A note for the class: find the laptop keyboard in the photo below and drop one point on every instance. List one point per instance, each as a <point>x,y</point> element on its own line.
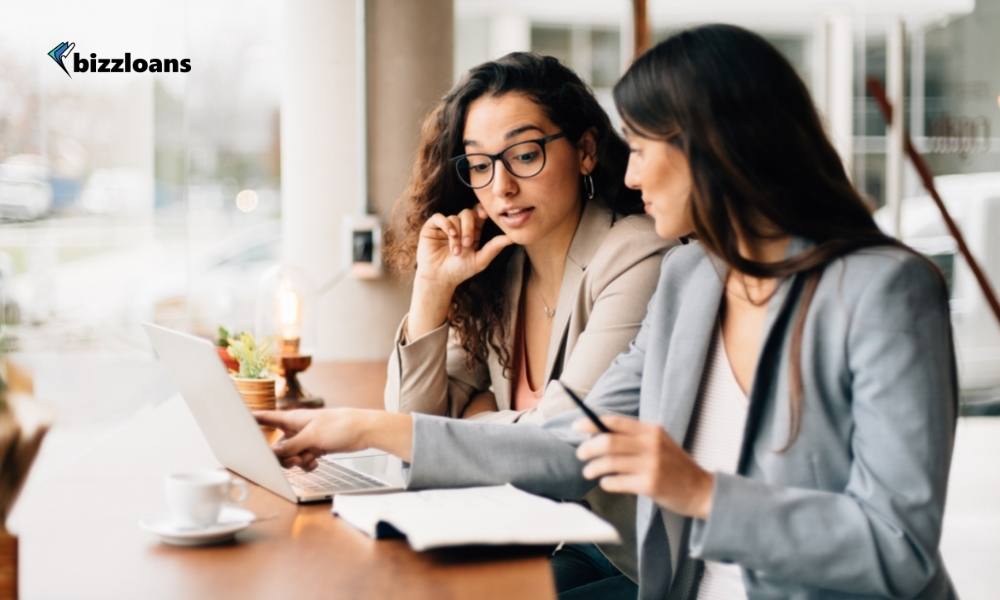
<point>330,477</point>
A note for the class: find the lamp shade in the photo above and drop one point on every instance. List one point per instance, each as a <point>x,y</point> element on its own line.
<point>286,310</point>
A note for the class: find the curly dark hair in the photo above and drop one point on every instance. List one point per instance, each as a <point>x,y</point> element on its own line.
<point>478,312</point>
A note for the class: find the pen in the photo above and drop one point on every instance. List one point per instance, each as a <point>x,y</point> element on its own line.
<point>590,414</point>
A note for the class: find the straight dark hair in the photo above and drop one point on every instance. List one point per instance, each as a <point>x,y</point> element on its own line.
<point>761,163</point>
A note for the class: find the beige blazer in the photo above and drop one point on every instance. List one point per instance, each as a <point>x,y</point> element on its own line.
<point>610,274</point>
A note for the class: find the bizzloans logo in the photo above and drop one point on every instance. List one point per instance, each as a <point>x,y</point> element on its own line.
<point>127,64</point>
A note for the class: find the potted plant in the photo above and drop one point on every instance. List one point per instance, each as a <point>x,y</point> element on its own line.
<point>23,424</point>
<point>222,347</point>
<point>255,384</point>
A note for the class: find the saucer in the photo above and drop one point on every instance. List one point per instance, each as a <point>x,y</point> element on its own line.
<point>231,520</point>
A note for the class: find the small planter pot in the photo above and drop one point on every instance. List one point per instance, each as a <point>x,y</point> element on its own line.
<point>257,394</point>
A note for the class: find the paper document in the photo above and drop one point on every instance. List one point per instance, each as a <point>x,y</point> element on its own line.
<point>494,515</point>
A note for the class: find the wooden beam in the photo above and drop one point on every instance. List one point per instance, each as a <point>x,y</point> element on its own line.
<point>8,564</point>
<point>927,178</point>
<point>640,27</point>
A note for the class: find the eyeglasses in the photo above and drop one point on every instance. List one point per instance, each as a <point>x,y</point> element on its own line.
<point>523,159</point>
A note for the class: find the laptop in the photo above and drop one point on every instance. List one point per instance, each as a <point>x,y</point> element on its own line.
<point>236,439</point>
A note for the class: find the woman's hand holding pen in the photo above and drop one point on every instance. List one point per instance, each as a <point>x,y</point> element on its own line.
<point>640,458</point>
<point>447,255</point>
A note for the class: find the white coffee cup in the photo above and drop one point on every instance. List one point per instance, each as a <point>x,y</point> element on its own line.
<point>195,498</point>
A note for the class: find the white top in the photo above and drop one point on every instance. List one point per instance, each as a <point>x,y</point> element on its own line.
<point>717,424</point>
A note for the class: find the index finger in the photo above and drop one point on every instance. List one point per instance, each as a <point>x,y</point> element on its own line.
<point>470,227</point>
<point>274,418</point>
<point>439,222</point>
<point>607,444</point>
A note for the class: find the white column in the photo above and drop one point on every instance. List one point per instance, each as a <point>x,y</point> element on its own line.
<point>895,38</point>
<point>509,33</point>
<point>626,35</point>
<point>318,138</point>
<point>834,83</point>
<point>320,175</point>
<point>580,51</point>
<point>911,183</point>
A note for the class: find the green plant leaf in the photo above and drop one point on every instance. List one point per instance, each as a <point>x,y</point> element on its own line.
<point>252,356</point>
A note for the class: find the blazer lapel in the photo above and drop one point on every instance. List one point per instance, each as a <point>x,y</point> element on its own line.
<point>690,341</point>
<point>687,352</point>
<point>780,311</point>
<point>595,222</point>
<point>693,334</point>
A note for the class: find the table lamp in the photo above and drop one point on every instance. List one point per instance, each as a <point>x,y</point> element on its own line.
<point>286,309</point>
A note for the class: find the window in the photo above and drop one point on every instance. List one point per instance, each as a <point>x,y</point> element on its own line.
<point>118,189</point>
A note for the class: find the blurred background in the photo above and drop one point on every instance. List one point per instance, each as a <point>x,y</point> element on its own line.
<point>167,197</point>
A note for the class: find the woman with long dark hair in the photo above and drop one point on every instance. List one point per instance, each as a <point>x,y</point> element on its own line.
<point>786,413</point>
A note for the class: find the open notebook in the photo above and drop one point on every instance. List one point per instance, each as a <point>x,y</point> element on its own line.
<point>495,515</point>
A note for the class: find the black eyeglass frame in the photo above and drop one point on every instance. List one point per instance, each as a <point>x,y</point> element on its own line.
<point>542,142</point>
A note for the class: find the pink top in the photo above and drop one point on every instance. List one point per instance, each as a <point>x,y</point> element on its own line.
<point>524,396</point>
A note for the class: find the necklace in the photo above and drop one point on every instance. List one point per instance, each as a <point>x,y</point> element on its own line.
<point>549,312</point>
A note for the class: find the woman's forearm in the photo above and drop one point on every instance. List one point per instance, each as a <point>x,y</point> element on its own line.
<point>428,308</point>
<point>389,432</point>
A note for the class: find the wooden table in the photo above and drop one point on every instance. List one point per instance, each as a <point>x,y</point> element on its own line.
<point>80,539</point>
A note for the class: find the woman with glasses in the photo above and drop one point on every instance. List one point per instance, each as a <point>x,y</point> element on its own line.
<point>786,414</point>
<point>533,261</point>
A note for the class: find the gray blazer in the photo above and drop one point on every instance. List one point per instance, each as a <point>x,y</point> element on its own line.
<point>852,510</point>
